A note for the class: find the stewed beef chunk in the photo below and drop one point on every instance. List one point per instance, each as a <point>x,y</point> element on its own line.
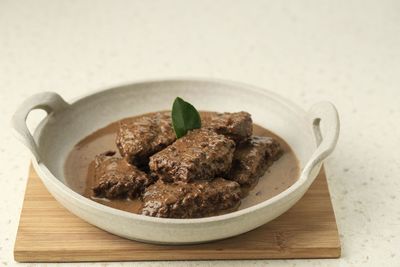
<point>200,154</point>
<point>116,178</point>
<point>238,126</point>
<point>139,138</point>
<point>252,158</point>
<point>190,200</point>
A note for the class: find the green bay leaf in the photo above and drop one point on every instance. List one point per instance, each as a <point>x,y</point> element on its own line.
<point>185,117</point>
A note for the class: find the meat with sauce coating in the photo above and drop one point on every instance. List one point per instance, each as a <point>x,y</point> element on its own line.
<point>142,137</point>
<point>201,154</point>
<point>237,125</point>
<point>252,158</point>
<point>116,178</point>
<point>190,200</point>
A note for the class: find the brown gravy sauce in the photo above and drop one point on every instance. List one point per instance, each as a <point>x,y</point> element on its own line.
<point>79,169</point>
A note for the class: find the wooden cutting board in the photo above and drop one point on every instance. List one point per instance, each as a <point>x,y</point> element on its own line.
<point>49,233</point>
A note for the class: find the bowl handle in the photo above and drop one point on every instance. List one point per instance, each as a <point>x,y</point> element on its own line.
<point>49,102</point>
<point>325,113</point>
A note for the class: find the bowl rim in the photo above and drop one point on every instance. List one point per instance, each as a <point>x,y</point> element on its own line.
<point>46,174</point>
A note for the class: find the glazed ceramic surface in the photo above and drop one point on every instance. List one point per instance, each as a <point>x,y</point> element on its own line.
<point>67,123</point>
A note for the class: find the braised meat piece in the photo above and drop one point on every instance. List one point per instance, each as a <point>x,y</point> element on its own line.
<point>238,126</point>
<point>200,154</point>
<point>190,200</point>
<point>252,158</point>
<point>116,178</point>
<point>141,137</point>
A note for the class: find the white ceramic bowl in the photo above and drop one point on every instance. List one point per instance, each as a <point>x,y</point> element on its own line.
<point>68,123</point>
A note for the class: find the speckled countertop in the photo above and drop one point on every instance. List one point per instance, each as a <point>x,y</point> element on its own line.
<point>343,51</point>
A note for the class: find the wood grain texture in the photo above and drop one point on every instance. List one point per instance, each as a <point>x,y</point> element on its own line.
<point>49,233</point>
